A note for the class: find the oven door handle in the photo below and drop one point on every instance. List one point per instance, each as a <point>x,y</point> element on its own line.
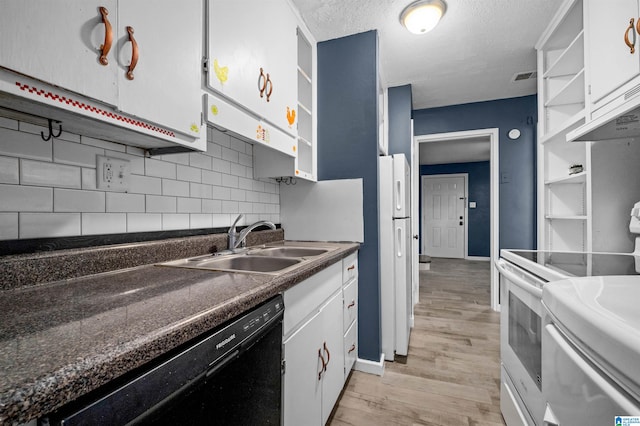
<point>530,288</point>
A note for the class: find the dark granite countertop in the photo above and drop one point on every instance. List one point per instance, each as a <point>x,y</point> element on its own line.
<point>60,340</point>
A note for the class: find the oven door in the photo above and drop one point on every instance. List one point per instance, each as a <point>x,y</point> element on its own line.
<point>521,336</point>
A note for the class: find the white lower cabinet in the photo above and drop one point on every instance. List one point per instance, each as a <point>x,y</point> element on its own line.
<point>318,352</point>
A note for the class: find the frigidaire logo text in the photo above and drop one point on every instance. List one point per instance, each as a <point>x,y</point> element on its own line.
<point>225,341</point>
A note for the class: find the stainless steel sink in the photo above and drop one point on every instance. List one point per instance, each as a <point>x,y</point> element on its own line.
<point>289,252</point>
<point>237,263</point>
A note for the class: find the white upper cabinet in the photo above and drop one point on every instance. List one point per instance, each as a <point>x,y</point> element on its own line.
<point>612,62</point>
<point>252,49</point>
<point>63,51</point>
<point>125,65</point>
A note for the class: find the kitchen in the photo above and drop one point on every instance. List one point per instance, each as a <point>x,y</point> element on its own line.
<point>50,187</point>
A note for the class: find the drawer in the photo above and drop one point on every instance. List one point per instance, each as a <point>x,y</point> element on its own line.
<point>350,267</point>
<point>350,348</point>
<point>350,294</point>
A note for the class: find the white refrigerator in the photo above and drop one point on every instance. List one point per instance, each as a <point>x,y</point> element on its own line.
<point>395,254</point>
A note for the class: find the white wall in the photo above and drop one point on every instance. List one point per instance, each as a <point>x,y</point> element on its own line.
<point>48,189</point>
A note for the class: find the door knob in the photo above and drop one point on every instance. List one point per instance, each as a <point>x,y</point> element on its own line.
<point>460,223</point>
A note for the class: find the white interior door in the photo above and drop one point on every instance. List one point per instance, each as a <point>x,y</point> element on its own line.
<point>444,216</point>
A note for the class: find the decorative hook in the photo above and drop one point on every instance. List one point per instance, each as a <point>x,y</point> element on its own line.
<point>51,134</point>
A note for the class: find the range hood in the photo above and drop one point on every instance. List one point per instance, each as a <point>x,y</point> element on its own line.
<point>622,122</point>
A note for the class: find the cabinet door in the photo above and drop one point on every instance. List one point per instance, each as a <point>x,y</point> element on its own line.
<point>333,347</point>
<point>610,62</point>
<point>59,42</point>
<point>166,85</point>
<point>303,375</point>
<point>247,41</point>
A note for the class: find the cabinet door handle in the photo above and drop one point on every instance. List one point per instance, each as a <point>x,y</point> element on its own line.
<point>324,364</point>
<point>631,45</point>
<point>262,83</point>
<point>108,36</point>
<point>270,84</point>
<point>352,304</point>
<point>324,345</point>
<point>351,268</point>
<point>352,348</point>
<point>134,53</point>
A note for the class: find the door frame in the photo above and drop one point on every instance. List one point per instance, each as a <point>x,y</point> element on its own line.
<point>493,135</point>
<point>423,218</point>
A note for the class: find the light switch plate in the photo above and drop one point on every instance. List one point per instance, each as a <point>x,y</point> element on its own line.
<point>112,174</point>
<point>472,204</point>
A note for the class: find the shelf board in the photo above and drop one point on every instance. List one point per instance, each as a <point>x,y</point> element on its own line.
<point>565,217</point>
<point>304,107</point>
<point>559,133</point>
<point>304,141</point>
<point>576,178</point>
<point>571,93</point>
<point>304,74</point>
<point>565,64</point>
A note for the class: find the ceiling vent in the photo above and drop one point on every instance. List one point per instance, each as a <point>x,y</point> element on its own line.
<point>522,76</point>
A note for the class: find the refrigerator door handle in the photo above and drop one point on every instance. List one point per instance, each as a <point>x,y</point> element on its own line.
<point>399,242</point>
<point>399,198</point>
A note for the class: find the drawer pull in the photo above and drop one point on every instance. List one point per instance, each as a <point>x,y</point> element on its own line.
<point>268,90</point>
<point>108,36</point>
<point>351,268</point>
<point>351,305</point>
<point>262,83</point>
<point>324,365</point>
<point>352,348</point>
<point>134,54</point>
<point>630,44</point>
<point>328,355</point>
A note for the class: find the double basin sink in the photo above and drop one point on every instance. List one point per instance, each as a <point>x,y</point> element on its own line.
<point>264,260</point>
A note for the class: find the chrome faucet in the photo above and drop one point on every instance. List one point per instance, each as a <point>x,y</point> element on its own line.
<point>243,234</point>
<point>231,233</point>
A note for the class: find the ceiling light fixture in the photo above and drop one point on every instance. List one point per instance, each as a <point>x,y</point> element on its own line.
<point>423,15</point>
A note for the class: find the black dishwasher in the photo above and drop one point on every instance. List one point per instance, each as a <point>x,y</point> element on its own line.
<point>232,376</point>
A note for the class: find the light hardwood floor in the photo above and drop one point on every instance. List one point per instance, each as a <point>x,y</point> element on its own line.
<point>452,374</point>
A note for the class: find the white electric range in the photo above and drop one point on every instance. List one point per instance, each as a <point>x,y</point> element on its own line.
<point>523,275</point>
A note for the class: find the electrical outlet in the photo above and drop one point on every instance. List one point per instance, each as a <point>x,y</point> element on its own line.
<point>112,174</point>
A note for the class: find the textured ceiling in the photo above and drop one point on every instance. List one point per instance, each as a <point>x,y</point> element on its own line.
<point>472,55</point>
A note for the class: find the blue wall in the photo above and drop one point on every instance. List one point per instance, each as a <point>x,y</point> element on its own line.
<point>479,219</point>
<point>399,105</point>
<point>517,157</point>
<point>348,148</point>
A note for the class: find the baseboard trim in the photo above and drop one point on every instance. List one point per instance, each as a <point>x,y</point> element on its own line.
<point>371,367</point>
<point>482,258</point>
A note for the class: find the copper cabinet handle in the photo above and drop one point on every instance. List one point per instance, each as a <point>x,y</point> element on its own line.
<point>352,304</point>
<point>324,365</point>
<point>134,53</point>
<point>270,89</point>
<point>351,268</point>
<point>262,83</point>
<point>632,46</point>
<point>324,345</point>
<point>352,348</point>
<point>108,36</point>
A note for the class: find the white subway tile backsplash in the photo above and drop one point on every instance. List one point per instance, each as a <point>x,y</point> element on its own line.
<point>65,152</point>
<point>103,223</point>
<point>171,221</point>
<point>144,185</point>
<point>16,198</point>
<point>161,204</point>
<point>57,196</point>
<point>221,166</point>
<point>175,187</point>
<point>200,221</point>
<point>71,200</point>
<point>188,173</point>
<point>24,145</point>
<point>144,222</point>
<point>119,202</point>
<point>159,168</point>
<point>212,206</point>
<point>9,170</point>
<point>49,174</point>
<point>199,160</point>
<point>99,143</point>
<point>8,225</point>
<point>89,179</point>
<point>43,225</point>
<point>211,178</point>
<point>189,205</point>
